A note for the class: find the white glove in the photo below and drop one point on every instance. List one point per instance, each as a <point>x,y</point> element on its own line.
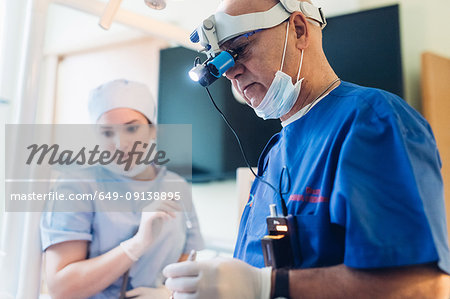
<point>149,293</point>
<point>220,278</point>
<point>152,218</point>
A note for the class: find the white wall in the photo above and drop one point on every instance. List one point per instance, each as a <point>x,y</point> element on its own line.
<point>12,14</point>
<point>424,26</point>
<point>79,73</point>
<point>69,31</point>
<point>218,213</point>
<point>4,110</point>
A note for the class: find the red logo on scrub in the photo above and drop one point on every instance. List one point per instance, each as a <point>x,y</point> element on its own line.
<point>311,195</point>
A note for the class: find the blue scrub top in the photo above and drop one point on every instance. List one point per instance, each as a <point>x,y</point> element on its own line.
<point>362,180</point>
<point>105,230</point>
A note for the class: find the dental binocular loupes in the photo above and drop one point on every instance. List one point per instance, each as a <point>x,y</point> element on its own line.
<point>213,68</point>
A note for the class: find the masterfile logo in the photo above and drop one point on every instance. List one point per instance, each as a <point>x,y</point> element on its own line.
<point>70,168</point>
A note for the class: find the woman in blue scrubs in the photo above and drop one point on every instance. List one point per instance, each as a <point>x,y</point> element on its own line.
<point>87,252</point>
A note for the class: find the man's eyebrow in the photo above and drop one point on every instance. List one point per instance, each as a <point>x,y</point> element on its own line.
<point>234,43</point>
<point>226,45</point>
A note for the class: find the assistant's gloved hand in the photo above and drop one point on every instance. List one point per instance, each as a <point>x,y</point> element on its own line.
<point>220,278</point>
<point>149,293</point>
<point>152,219</point>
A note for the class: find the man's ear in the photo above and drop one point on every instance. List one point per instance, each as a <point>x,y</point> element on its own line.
<point>299,22</point>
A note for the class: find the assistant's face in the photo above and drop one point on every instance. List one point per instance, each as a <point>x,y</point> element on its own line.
<point>120,128</point>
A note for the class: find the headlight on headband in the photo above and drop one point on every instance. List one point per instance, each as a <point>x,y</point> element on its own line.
<point>209,71</point>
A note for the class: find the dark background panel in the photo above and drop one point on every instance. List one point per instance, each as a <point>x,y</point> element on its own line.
<point>364,48</point>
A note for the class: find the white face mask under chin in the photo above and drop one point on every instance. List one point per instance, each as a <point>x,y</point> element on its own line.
<point>282,94</point>
<point>137,168</point>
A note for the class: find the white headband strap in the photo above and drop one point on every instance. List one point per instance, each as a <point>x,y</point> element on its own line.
<point>228,27</point>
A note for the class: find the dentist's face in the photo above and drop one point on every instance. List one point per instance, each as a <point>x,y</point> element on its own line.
<point>261,53</point>
<point>259,58</point>
<point>120,128</point>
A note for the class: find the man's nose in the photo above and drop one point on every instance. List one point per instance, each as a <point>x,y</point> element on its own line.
<point>235,71</point>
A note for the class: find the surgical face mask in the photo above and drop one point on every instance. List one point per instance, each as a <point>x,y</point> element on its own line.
<point>137,168</point>
<point>282,94</point>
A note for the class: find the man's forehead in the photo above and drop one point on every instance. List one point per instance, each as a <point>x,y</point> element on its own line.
<point>240,7</point>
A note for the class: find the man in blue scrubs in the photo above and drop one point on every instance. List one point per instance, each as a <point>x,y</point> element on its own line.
<point>358,168</point>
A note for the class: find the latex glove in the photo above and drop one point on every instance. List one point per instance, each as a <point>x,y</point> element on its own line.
<point>148,293</point>
<point>152,219</point>
<point>218,278</point>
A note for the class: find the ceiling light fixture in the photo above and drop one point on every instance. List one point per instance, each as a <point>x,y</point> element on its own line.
<point>156,4</point>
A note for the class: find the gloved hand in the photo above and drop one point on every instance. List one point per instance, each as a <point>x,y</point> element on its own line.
<point>220,278</point>
<point>148,293</point>
<point>152,219</point>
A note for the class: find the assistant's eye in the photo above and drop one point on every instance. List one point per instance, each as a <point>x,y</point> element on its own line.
<point>107,133</point>
<point>132,129</point>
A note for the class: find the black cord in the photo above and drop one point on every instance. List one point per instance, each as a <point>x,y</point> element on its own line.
<point>283,171</point>
<point>279,192</point>
<point>283,203</point>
